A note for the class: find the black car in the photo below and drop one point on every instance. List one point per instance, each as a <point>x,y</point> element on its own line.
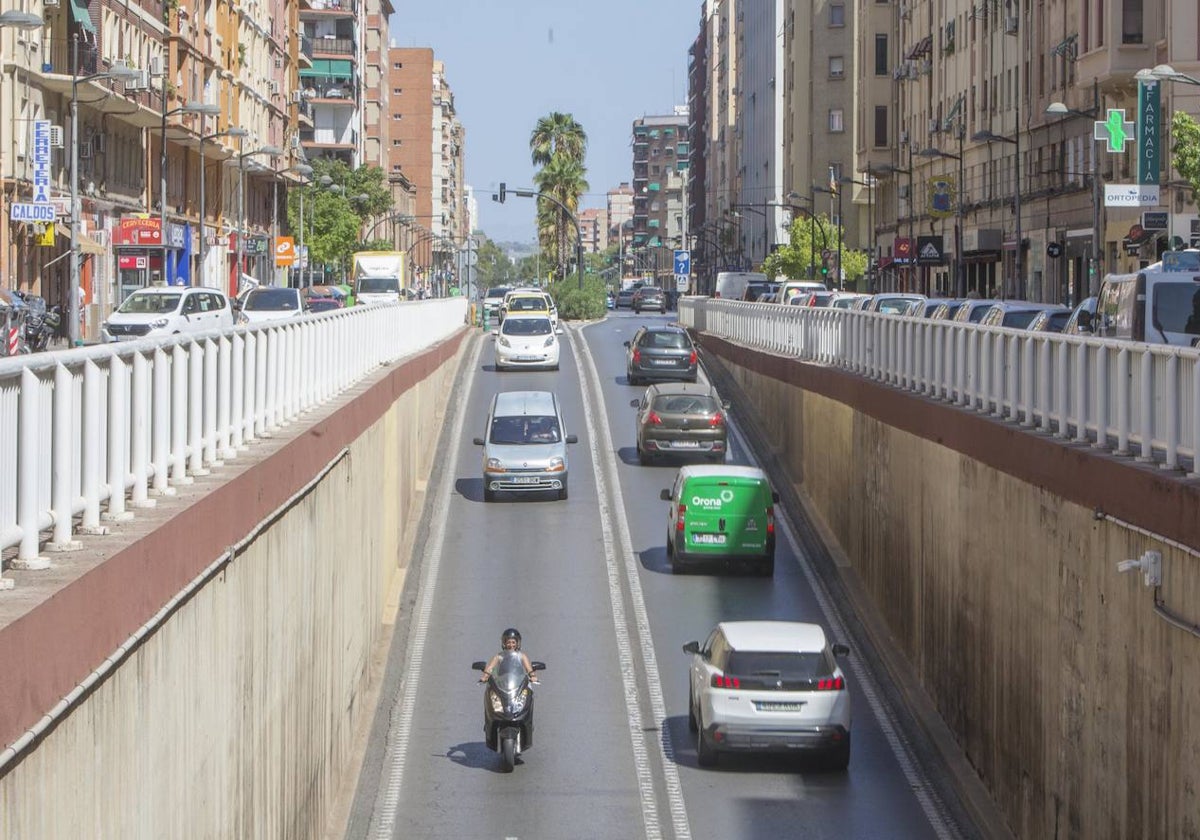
<point>649,297</point>
<point>660,352</point>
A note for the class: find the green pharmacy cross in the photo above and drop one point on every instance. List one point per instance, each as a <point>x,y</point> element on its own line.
<point>1116,130</point>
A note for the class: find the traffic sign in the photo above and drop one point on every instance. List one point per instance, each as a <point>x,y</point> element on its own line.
<point>681,282</point>
<point>36,212</point>
<point>683,262</point>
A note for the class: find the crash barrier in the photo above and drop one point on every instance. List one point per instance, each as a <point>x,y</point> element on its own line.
<point>93,432</point>
<point>1124,397</point>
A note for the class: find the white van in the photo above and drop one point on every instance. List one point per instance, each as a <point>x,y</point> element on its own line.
<point>1159,304</point>
<point>731,285</point>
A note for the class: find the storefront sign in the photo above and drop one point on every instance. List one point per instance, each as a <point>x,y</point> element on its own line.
<point>138,230</point>
<point>285,251</point>
<point>931,250</point>
<point>131,263</point>
<point>902,247</point>
<point>1149,141</point>
<point>1130,195</point>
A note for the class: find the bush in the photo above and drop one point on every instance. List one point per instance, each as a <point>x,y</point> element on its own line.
<point>575,304</point>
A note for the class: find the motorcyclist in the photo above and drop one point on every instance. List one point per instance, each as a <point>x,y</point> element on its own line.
<point>510,641</point>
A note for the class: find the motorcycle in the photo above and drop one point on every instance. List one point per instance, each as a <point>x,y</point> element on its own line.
<point>508,707</point>
<point>41,327</point>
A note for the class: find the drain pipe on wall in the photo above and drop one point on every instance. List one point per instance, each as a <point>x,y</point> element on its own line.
<point>68,703</point>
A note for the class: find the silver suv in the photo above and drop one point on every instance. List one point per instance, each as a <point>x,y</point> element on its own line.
<point>525,449</point>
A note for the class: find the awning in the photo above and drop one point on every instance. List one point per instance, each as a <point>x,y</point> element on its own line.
<point>79,13</point>
<point>86,244</point>
<point>326,67</point>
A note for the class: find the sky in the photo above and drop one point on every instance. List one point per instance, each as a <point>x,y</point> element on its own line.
<point>607,62</point>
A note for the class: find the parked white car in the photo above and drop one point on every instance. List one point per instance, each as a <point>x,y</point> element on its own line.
<point>526,340</point>
<point>168,310</point>
<point>270,303</point>
<point>768,686</point>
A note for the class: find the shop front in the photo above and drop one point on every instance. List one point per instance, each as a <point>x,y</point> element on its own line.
<point>981,260</point>
<point>138,243</point>
<point>255,255</point>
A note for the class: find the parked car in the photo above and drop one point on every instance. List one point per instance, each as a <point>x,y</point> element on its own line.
<point>789,289</point>
<point>755,289</point>
<point>768,687</point>
<point>1082,318</point>
<point>897,304</point>
<point>524,448</point>
<point>1050,320</point>
<point>493,299</point>
<point>323,298</point>
<point>660,352</point>
<point>847,300</point>
<point>610,300</point>
<point>723,514</point>
<point>526,339</point>
<point>932,305</point>
<point>649,297</point>
<point>680,418</point>
<point>270,303</point>
<point>945,310</point>
<point>818,300</point>
<point>1018,314</point>
<point>731,285</point>
<point>973,310</point>
<point>168,310</point>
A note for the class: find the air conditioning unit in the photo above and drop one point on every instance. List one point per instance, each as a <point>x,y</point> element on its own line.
<point>273,86</point>
<point>156,66</point>
<point>278,62</point>
<point>297,96</point>
<point>1010,25</point>
<point>49,3</point>
<point>56,137</point>
<point>85,150</point>
<point>903,137</point>
<point>98,143</point>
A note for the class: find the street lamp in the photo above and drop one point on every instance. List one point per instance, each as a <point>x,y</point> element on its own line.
<point>1059,109</point>
<point>1166,73</point>
<point>21,20</point>
<point>1018,261</point>
<point>304,171</point>
<point>272,151</point>
<point>201,108</point>
<point>960,281</point>
<point>117,72</point>
<point>229,132</point>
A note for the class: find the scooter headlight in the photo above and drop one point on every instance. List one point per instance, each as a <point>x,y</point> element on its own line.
<point>519,700</point>
<point>496,700</point>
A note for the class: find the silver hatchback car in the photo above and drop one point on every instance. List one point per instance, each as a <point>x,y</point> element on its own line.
<point>525,450</point>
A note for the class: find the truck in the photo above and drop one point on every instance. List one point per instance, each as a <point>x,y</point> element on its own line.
<point>379,276</point>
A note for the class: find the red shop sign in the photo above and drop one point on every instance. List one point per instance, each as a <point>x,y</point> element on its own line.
<point>131,263</point>
<point>136,230</point>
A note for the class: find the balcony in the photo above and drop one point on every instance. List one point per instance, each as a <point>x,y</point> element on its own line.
<point>326,46</point>
<point>318,9</point>
<point>329,138</point>
<point>329,82</point>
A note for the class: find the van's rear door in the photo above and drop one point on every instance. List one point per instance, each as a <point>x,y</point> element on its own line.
<point>725,515</point>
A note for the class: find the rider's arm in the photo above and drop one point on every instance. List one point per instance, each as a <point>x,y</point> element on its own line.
<point>528,667</point>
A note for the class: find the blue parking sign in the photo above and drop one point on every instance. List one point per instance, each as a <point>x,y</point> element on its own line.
<point>683,262</point>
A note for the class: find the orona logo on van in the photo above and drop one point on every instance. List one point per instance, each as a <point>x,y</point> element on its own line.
<point>725,496</point>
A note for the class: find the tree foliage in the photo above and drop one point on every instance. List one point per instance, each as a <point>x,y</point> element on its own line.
<point>494,267</point>
<point>557,135</point>
<point>802,257</point>
<point>575,303</point>
<point>558,144</point>
<point>1185,148</point>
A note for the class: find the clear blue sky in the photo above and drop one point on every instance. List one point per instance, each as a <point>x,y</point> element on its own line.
<point>607,62</point>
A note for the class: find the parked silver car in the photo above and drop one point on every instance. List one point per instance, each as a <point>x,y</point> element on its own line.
<point>525,450</point>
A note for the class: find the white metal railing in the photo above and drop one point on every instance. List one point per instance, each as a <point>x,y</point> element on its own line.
<point>86,434</point>
<point>1125,397</point>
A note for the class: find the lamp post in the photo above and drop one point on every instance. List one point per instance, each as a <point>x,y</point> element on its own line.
<point>200,108</point>
<point>1058,109</point>
<point>272,151</point>
<point>1018,262</point>
<point>304,171</point>
<point>959,276</point>
<point>114,73</point>
<point>229,132</point>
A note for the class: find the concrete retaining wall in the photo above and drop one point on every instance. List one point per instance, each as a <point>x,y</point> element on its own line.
<point>235,718</point>
<point>991,554</point>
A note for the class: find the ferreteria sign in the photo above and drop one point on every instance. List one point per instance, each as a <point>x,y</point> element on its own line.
<point>1149,140</point>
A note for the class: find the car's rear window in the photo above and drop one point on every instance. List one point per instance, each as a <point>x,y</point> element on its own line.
<point>780,664</point>
<point>1019,319</point>
<point>528,304</point>
<point>271,299</point>
<point>685,404</point>
<point>525,429</point>
<point>668,340</point>
<point>526,326</point>
<point>497,291</point>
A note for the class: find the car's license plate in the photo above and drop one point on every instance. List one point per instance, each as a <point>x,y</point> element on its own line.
<point>524,479</point>
<point>670,362</point>
<point>686,444</point>
<point>528,358</point>
<point>708,539</point>
<point>777,706</point>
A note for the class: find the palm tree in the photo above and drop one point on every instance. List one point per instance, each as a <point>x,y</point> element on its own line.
<point>564,180</point>
<point>557,135</point>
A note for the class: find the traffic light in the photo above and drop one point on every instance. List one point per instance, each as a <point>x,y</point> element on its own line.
<point>503,190</point>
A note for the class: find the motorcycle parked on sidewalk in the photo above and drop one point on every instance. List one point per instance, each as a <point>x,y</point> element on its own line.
<point>508,707</point>
<point>41,327</point>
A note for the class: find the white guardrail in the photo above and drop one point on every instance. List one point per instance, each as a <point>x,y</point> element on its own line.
<point>1120,396</point>
<point>111,425</point>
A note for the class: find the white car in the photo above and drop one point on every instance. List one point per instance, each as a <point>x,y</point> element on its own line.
<point>768,686</point>
<point>526,341</point>
<point>168,310</point>
<point>270,303</point>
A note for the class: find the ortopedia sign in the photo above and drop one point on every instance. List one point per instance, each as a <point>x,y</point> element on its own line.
<point>1131,195</point>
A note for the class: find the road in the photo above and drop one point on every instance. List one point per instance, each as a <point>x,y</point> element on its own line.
<point>586,582</point>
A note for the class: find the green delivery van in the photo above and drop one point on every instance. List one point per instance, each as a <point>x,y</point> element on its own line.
<point>721,514</point>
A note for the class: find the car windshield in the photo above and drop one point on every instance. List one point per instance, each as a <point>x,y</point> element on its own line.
<point>788,665</point>
<point>667,340</point>
<point>525,429</point>
<point>378,284</point>
<point>685,404</point>
<point>273,300</point>
<point>526,326</point>
<point>497,292</point>
<point>149,304</point>
<point>527,304</point>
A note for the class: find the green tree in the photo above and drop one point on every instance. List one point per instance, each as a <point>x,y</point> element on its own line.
<point>557,135</point>
<point>494,267</point>
<point>1185,148</point>
<point>808,238</point>
<point>562,179</point>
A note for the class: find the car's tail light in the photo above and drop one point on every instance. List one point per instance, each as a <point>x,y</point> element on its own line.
<point>653,419</point>
<point>831,684</point>
<point>717,421</point>
<point>679,520</point>
<point>722,681</point>
<point>770,519</point>
<point>637,356</point>
<point>692,358</point>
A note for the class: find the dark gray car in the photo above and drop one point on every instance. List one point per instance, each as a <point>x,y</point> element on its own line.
<point>681,418</point>
<point>662,353</point>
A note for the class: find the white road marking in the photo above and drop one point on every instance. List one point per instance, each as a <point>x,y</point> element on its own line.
<point>931,804</point>
<point>401,718</point>
<point>598,433</point>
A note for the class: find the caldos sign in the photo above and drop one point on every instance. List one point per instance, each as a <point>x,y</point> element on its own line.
<point>725,497</point>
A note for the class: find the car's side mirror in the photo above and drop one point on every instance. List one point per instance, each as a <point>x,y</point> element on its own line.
<point>478,441</point>
<point>691,647</point>
<point>538,666</point>
<point>665,495</point>
<point>634,403</point>
<point>495,332</point>
<point>572,438</point>
<point>626,343</point>
<point>841,650</point>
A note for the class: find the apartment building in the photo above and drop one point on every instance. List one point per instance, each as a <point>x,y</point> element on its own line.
<point>593,226</point>
<point>660,168</point>
<point>620,218</point>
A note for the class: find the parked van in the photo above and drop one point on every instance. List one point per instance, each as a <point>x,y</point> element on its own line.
<point>721,513</point>
<point>731,285</point>
<point>1159,304</point>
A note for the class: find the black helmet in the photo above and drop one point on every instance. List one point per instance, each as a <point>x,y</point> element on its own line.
<point>511,633</point>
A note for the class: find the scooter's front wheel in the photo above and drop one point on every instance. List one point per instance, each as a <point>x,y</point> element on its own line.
<point>508,753</point>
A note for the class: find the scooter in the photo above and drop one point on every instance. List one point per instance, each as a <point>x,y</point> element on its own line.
<point>508,707</point>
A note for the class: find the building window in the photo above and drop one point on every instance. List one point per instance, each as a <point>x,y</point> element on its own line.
<point>881,55</point>
<point>837,14</point>
<point>881,126</point>
<point>397,142</point>
<point>836,123</point>
<point>1131,22</point>
<point>397,91</point>
<point>397,65</point>
<point>397,116</point>
<point>837,67</point>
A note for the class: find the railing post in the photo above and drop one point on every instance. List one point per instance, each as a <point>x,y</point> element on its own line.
<point>29,457</point>
<point>225,398</point>
<point>179,415</point>
<point>982,401</point>
<point>251,424</point>
<point>195,399</point>
<point>1124,395</point>
<point>210,358</point>
<point>237,394</point>
<point>1028,380</point>
<point>139,434</point>
<point>118,440</point>
<point>1195,473</point>
<point>1171,414</point>
<point>62,488</point>
<point>262,339</point>
<point>1044,385</point>
<point>1146,418</point>
<point>1102,396</point>
<point>1061,393</point>
<point>160,425</point>
<point>91,451</point>
<point>1081,382</point>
